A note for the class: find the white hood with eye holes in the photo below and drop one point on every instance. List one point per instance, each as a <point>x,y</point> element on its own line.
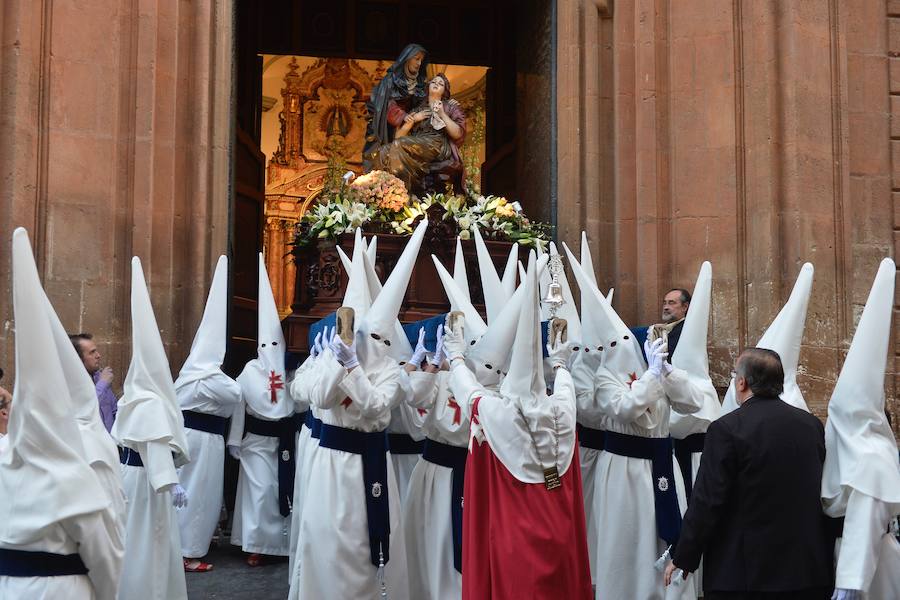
<point>263,385</point>
<point>378,336</point>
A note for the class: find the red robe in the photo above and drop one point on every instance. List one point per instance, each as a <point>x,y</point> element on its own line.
<point>520,540</point>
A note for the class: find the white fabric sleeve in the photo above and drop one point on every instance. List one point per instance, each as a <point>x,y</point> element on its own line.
<point>374,398</point>
<point>299,388</point>
<point>683,396</point>
<point>564,388</point>
<point>424,389</point>
<point>464,386</point>
<point>158,462</point>
<point>236,429</point>
<point>628,405</point>
<point>101,548</point>
<point>584,368</point>
<point>324,389</point>
<point>865,523</point>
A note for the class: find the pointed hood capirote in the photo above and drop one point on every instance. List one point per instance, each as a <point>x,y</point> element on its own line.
<point>487,346</point>
<point>508,281</point>
<point>204,363</point>
<point>208,347</point>
<point>691,356</point>
<point>620,352</point>
<point>587,262</point>
<point>460,276</point>
<point>263,380</point>
<point>524,383</point>
<point>148,410</point>
<point>567,310</point>
<point>784,336</point>
<point>377,334</point>
<point>494,293</point>
<point>358,294</point>
<point>44,477</point>
<point>99,447</point>
<point>367,257</point>
<point>595,326</point>
<point>861,453</point>
<point>475,326</point>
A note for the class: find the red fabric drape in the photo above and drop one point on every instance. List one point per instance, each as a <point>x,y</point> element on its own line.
<point>520,540</point>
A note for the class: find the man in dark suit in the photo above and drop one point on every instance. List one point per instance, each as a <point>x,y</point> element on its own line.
<point>755,515</point>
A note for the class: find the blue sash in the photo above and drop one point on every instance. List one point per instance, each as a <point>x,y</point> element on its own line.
<point>452,457</point>
<point>401,443</point>
<point>127,456</point>
<point>591,438</point>
<point>285,430</point>
<point>314,424</point>
<point>372,448</point>
<point>204,422</point>
<point>683,451</point>
<point>659,452</point>
<point>25,563</point>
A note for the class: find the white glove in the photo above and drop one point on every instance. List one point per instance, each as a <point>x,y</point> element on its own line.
<point>419,353</point>
<point>235,452</point>
<point>440,353</point>
<point>316,349</point>
<point>346,355</point>
<point>559,353</point>
<point>656,357</point>
<point>845,594</point>
<point>179,496</point>
<point>453,345</point>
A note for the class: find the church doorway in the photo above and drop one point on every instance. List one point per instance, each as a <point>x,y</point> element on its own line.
<point>304,70</point>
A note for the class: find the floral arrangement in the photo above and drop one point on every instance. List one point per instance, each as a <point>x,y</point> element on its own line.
<point>380,189</point>
<point>379,202</point>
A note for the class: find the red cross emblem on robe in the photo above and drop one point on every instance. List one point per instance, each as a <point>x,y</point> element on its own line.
<point>632,377</point>
<point>346,402</point>
<point>275,384</point>
<point>457,411</point>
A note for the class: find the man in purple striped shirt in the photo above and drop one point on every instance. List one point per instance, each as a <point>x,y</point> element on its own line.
<point>103,378</point>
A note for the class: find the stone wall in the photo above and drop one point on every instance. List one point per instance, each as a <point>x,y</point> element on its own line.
<point>754,134</point>
<point>115,129</point>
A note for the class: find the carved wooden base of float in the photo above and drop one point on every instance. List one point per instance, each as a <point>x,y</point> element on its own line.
<point>321,279</point>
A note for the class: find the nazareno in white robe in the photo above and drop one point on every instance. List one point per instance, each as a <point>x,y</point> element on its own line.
<point>153,564</point>
<point>403,464</point>
<point>624,509</point>
<point>87,535</point>
<point>427,513</point>
<point>333,557</point>
<point>204,477</point>
<point>584,365</point>
<point>258,526</point>
<point>299,388</point>
<point>868,554</point>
